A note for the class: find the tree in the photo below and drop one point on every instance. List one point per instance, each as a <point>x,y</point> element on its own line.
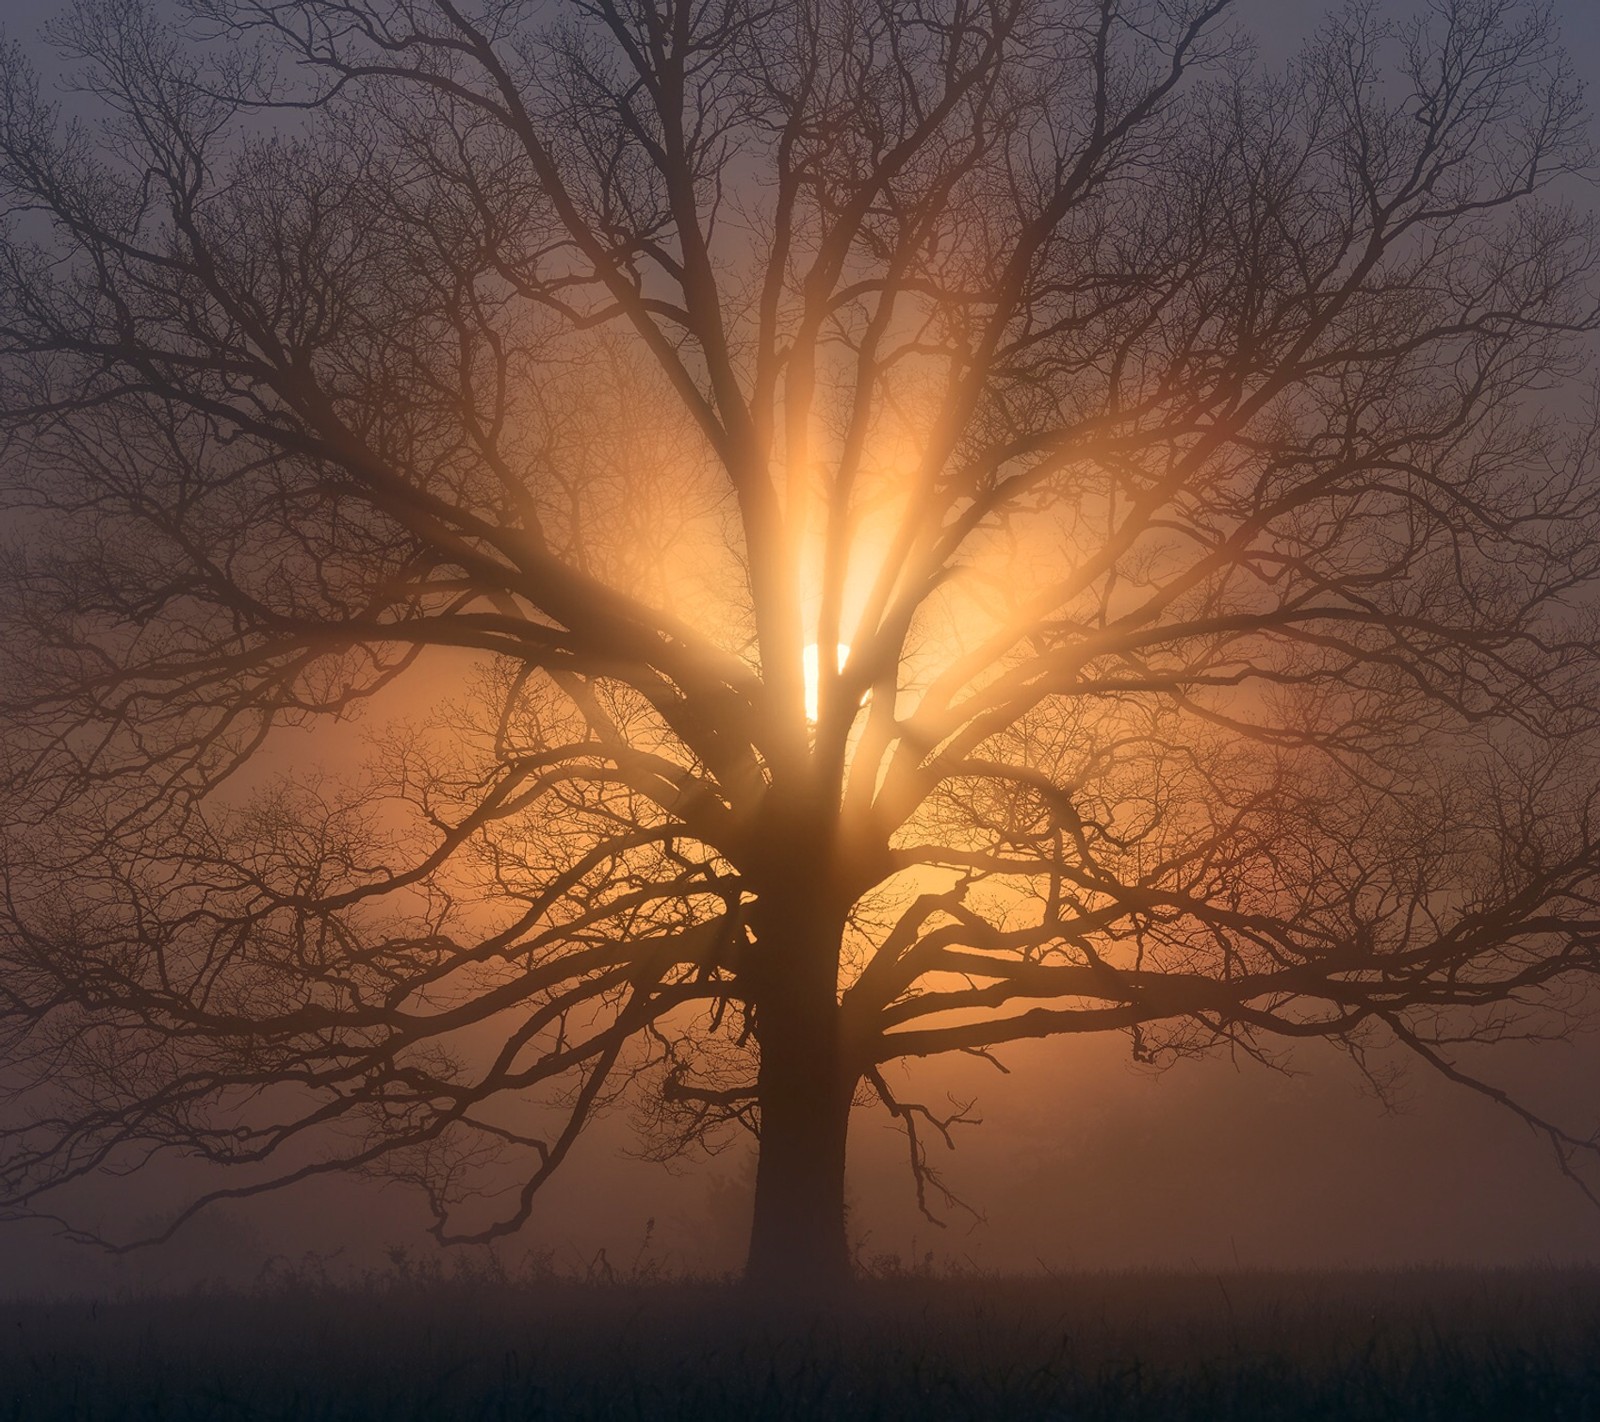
<point>1167,447</point>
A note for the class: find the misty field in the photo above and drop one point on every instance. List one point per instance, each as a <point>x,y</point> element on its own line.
<point>1415,1345</point>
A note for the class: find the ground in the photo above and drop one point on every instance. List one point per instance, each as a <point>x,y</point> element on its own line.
<point>1412,1345</point>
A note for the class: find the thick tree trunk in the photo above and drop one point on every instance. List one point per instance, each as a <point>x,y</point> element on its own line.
<point>797,1241</point>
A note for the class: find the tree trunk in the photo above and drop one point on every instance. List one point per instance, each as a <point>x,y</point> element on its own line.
<point>797,1241</point>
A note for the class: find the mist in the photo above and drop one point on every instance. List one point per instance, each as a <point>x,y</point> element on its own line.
<point>1080,1159</point>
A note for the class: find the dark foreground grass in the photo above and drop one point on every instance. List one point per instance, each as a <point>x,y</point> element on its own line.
<point>1414,1345</point>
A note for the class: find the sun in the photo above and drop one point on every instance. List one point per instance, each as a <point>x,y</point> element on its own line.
<point>812,666</point>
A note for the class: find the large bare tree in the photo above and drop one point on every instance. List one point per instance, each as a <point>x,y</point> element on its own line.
<point>1164,453</point>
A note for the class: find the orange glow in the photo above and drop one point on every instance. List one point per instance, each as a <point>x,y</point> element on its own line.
<point>813,674</point>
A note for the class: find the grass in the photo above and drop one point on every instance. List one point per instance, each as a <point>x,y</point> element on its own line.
<point>1413,1345</point>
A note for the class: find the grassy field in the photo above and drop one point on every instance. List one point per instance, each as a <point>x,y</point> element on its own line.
<point>1411,1345</point>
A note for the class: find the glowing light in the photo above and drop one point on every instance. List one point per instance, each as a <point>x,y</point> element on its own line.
<point>812,665</point>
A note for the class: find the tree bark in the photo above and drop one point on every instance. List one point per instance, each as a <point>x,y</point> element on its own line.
<point>797,1241</point>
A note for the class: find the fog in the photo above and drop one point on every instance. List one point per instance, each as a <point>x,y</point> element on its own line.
<point>1083,1159</point>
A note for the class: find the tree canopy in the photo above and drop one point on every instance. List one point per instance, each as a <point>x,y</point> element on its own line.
<point>862,529</point>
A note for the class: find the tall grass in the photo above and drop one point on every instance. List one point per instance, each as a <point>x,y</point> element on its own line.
<point>419,1344</point>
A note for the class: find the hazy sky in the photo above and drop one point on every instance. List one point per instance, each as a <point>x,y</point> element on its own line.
<point>1083,1159</point>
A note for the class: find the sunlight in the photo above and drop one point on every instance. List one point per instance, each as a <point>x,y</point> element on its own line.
<point>813,674</point>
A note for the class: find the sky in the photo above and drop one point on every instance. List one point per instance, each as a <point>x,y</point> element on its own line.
<point>1084,1159</point>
